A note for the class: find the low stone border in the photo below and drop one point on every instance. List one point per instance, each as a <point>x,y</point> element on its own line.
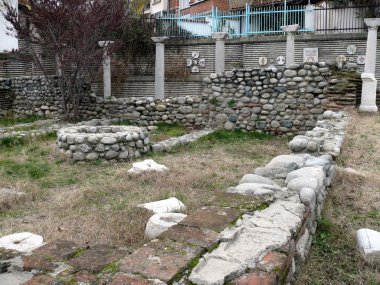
<point>259,231</point>
<point>105,142</point>
<point>36,129</point>
<point>171,143</point>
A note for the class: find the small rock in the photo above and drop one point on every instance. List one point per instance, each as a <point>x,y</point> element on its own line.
<point>369,245</point>
<point>147,165</point>
<point>159,223</point>
<point>24,242</point>
<point>171,205</point>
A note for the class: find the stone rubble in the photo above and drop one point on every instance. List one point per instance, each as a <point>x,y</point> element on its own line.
<point>368,242</point>
<point>160,223</point>
<point>171,143</point>
<point>171,205</point>
<point>146,166</point>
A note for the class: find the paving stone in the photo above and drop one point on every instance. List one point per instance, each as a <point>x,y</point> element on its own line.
<point>256,279</point>
<point>217,218</point>
<point>6,254</point>
<point>196,236</point>
<point>270,228</point>
<point>97,258</point>
<point>58,250</point>
<point>84,276</point>
<point>128,279</point>
<point>40,280</point>
<point>36,262</point>
<point>161,259</point>
<point>272,261</point>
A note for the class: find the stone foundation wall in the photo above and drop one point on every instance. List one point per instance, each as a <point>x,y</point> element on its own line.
<point>32,95</point>
<point>275,100</point>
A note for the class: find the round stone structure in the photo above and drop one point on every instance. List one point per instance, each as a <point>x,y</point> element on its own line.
<point>86,143</point>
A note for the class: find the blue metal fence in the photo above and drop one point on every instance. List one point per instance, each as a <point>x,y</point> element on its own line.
<point>247,22</point>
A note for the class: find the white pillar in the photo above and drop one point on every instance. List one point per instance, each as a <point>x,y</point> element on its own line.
<point>368,100</point>
<point>106,68</point>
<point>159,77</point>
<point>290,30</point>
<point>219,38</point>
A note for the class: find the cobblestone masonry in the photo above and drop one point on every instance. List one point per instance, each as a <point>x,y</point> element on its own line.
<point>275,100</point>
<point>258,232</point>
<point>104,142</point>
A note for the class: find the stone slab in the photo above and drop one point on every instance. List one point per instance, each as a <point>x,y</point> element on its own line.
<point>58,250</point>
<point>128,279</point>
<point>259,278</point>
<point>161,259</point>
<point>200,237</point>
<point>40,280</point>
<point>35,262</point>
<point>217,218</point>
<point>97,258</point>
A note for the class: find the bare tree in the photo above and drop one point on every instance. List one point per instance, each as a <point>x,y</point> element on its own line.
<point>69,30</point>
<point>372,7</point>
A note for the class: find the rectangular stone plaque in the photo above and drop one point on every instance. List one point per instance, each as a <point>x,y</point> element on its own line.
<point>310,55</point>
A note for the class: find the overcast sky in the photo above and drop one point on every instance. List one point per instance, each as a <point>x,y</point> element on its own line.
<point>7,43</point>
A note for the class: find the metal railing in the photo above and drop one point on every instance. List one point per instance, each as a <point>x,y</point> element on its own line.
<point>261,21</point>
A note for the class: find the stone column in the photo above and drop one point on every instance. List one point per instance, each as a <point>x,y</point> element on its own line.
<point>219,38</point>
<point>106,68</point>
<point>290,30</point>
<point>159,77</point>
<point>368,100</point>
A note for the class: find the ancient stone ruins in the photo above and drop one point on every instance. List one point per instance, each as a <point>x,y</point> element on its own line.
<point>263,225</point>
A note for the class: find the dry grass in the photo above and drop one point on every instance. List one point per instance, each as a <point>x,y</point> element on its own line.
<point>353,203</point>
<point>96,203</point>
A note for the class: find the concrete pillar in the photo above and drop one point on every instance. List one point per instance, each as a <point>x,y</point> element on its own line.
<point>106,68</point>
<point>220,61</point>
<point>290,30</point>
<point>159,77</point>
<point>368,100</point>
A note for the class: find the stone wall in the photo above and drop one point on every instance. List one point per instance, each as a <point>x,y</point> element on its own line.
<point>32,95</point>
<point>275,100</point>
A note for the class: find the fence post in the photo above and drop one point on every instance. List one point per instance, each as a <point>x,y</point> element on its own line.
<point>247,20</point>
<point>212,19</point>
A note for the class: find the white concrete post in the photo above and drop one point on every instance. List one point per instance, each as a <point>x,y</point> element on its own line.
<point>219,38</point>
<point>368,100</point>
<point>159,77</point>
<point>106,68</point>
<point>290,30</point>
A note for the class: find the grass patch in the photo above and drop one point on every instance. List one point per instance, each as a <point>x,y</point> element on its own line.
<point>11,121</point>
<point>29,169</point>
<point>166,131</point>
<point>225,137</point>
